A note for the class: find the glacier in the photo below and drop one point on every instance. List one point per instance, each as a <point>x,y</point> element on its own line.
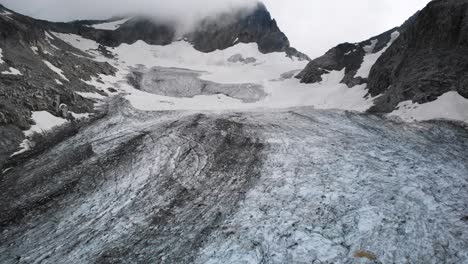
<point>296,185</point>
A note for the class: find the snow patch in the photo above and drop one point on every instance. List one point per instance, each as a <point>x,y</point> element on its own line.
<point>80,116</point>
<point>56,70</point>
<point>450,106</point>
<point>5,13</point>
<point>91,95</point>
<point>49,36</point>
<point>110,25</point>
<point>58,82</point>
<point>371,58</point>
<point>12,71</point>
<point>45,121</point>
<point>35,50</point>
<point>1,56</point>
<point>80,43</point>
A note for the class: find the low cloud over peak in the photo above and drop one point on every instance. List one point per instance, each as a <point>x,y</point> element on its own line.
<point>182,11</point>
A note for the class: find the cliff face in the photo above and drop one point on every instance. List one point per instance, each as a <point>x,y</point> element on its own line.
<point>347,56</point>
<point>28,71</point>
<point>428,58</point>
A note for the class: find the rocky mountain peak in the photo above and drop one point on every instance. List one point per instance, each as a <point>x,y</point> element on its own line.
<point>429,59</point>
<point>220,31</point>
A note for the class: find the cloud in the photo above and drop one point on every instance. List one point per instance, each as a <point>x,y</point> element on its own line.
<point>313,26</point>
<point>181,10</point>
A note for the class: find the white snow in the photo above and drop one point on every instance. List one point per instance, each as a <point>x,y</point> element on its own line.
<point>56,70</point>
<point>110,25</point>
<point>12,71</point>
<point>58,82</point>
<point>371,58</point>
<point>450,106</point>
<point>328,94</point>
<point>80,43</point>
<point>80,116</point>
<point>286,93</point>
<point>44,121</point>
<point>91,95</point>
<point>49,38</point>
<point>35,49</point>
<point>1,56</point>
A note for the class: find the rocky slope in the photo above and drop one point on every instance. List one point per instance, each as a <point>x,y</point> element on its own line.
<point>38,72</point>
<point>426,59</point>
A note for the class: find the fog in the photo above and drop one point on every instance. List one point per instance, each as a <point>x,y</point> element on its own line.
<point>313,26</point>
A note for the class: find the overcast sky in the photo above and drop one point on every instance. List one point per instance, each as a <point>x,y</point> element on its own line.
<point>313,26</point>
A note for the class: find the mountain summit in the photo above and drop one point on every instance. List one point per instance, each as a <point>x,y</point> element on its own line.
<point>216,32</point>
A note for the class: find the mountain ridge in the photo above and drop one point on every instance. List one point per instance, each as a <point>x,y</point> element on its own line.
<point>415,67</point>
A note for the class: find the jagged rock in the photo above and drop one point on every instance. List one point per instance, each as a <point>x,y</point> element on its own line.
<point>429,59</point>
<point>36,89</point>
<point>348,56</point>
<point>239,58</point>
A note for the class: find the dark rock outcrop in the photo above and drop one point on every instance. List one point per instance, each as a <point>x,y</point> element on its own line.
<point>429,59</point>
<point>138,28</point>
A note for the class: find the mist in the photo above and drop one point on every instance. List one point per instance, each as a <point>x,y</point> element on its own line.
<point>66,10</point>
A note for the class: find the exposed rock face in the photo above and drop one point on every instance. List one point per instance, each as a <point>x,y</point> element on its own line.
<point>256,27</point>
<point>138,28</point>
<point>176,82</point>
<point>348,56</point>
<point>428,59</point>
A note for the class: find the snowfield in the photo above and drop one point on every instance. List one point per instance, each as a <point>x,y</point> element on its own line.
<point>371,58</point>
<point>266,71</point>
<point>12,71</point>
<point>43,122</point>
<point>450,105</point>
